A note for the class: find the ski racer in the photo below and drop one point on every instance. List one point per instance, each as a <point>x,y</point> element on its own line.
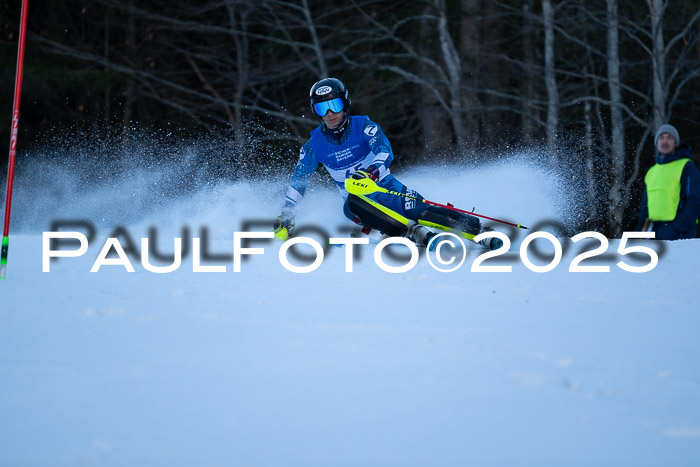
<point>355,146</point>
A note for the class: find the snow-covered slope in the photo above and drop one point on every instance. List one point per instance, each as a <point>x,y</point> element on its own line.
<point>265,367</point>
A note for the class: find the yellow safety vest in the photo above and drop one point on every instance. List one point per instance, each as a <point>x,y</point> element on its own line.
<point>663,183</point>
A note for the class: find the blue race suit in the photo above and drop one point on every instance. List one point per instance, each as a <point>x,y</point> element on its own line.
<point>361,143</point>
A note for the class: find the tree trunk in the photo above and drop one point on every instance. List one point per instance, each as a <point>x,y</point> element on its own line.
<point>618,196</point>
<point>453,65</point>
<point>591,179</point>
<point>469,49</point>
<point>322,68</point>
<point>108,88</point>
<point>527,108</point>
<point>550,78</point>
<point>656,11</point>
<point>238,19</point>
<point>129,96</point>
<point>434,120</point>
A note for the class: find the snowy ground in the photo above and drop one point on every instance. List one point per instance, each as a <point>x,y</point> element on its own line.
<point>265,367</point>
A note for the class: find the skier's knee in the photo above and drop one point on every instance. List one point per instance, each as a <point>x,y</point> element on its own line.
<point>451,219</point>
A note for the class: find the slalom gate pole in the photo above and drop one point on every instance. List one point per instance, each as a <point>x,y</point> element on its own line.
<point>13,139</point>
<point>365,186</point>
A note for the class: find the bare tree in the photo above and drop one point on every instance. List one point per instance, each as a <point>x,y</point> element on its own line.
<point>550,76</point>
<point>469,51</point>
<point>314,40</point>
<point>528,88</point>
<point>453,68</point>
<point>658,60</point>
<point>618,193</point>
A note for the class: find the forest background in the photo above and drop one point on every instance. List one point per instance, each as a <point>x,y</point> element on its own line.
<point>579,86</point>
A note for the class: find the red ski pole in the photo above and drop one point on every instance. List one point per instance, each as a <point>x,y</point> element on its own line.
<point>449,206</point>
<point>13,139</point>
<point>364,186</point>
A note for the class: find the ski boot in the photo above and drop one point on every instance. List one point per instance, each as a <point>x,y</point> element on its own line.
<point>492,243</point>
<point>418,234</point>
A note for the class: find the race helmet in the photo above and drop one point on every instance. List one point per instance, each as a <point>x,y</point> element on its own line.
<point>329,94</point>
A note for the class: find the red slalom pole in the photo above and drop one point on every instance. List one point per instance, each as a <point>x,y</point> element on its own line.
<point>13,139</point>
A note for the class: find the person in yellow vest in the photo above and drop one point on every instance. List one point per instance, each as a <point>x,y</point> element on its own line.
<point>671,200</point>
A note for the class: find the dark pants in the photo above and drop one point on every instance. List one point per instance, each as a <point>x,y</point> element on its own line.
<point>394,212</point>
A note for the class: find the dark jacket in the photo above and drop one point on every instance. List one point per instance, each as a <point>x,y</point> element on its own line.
<point>685,224</point>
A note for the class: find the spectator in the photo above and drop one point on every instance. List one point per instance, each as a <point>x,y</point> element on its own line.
<point>671,200</point>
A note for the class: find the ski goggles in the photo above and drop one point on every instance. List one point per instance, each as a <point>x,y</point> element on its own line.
<point>334,105</point>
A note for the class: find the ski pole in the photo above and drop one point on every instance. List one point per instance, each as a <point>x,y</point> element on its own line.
<point>13,139</point>
<point>365,186</point>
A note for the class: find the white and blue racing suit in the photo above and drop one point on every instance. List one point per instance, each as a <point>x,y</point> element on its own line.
<point>361,144</point>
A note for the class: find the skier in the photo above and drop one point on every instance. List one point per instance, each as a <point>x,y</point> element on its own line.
<point>355,146</point>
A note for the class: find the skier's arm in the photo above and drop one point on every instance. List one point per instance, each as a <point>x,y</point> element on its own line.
<point>305,167</point>
<point>690,196</point>
<point>379,144</point>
